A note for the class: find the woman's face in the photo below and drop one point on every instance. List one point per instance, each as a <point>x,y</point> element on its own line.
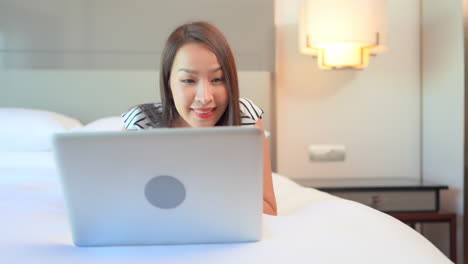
<point>198,86</point>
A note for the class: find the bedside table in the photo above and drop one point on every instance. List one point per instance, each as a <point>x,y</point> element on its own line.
<point>390,195</point>
<point>408,200</point>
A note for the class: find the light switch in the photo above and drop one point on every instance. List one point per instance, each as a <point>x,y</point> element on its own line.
<point>318,153</point>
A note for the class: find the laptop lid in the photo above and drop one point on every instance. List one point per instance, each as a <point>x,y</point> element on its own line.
<point>162,186</point>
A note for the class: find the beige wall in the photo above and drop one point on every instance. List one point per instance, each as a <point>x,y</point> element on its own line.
<point>443,107</point>
<point>400,117</point>
<point>375,112</point>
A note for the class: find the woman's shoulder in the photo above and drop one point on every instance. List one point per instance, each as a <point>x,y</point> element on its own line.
<point>142,116</point>
<point>250,112</point>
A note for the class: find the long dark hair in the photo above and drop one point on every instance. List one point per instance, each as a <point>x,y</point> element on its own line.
<point>205,33</point>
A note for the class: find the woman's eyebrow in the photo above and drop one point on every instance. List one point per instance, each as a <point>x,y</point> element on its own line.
<point>188,70</point>
<point>217,69</point>
<point>196,72</point>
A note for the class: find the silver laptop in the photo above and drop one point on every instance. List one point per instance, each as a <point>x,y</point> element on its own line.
<point>162,186</point>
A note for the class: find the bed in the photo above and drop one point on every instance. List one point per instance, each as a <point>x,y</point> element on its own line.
<point>312,226</point>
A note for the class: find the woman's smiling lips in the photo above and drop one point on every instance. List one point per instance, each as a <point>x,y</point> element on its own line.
<point>204,112</point>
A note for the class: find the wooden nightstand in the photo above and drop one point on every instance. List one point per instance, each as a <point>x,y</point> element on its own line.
<point>408,200</point>
<point>441,216</point>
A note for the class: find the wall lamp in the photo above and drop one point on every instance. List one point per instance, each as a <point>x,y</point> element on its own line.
<point>342,34</point>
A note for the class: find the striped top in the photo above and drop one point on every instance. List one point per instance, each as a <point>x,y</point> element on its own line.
<point>144,116</point>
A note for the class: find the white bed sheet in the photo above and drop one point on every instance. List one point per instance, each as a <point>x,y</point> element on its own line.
<point>313,227</point>
<point>27,160</point>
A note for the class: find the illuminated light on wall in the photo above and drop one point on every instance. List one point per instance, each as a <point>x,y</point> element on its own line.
<point>342,34</point>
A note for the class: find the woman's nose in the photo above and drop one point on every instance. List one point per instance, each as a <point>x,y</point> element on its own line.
<point>204,92</point>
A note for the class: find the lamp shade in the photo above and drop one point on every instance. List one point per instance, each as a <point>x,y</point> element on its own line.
<point>342,33</point>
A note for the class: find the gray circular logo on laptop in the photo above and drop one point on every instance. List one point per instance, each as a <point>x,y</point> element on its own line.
<point>165,192</point>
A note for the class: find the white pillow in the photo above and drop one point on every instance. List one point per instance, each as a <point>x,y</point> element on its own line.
<point>290,196</point>
<point>112,123</point>
<point>31,129</point>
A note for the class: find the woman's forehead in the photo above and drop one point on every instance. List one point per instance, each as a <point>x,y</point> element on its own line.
<point>195,57</point>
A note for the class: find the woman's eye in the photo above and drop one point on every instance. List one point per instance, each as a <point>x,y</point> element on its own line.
<point>217,80</point>
<point>187,81</point>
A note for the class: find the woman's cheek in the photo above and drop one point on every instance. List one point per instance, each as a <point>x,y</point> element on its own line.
<point>223,96</point>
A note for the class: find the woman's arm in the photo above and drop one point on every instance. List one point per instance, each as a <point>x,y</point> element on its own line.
<point>269,200</point>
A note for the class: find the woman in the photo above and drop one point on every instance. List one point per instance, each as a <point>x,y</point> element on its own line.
<point>199,88</point>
